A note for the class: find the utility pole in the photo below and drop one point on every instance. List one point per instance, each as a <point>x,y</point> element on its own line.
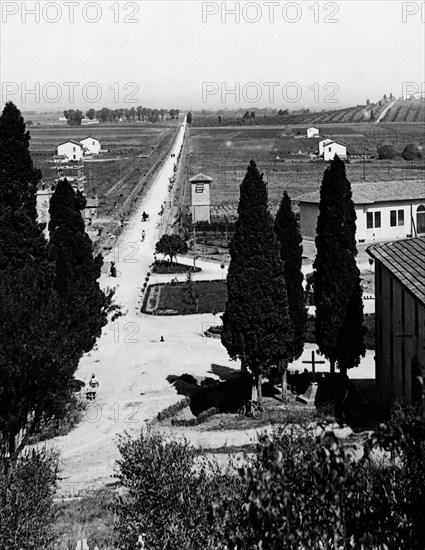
<point>194,246</point>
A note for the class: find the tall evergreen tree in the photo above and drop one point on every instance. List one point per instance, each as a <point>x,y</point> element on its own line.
<point>77,270</point>
<point>17,172</point>
<point>291,250</point>
<point>41,337</point>
<point>256,323</point>
<point>337,291</point>
<point>30,351</point>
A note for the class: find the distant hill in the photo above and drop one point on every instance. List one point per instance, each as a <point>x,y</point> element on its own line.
<point>406,110</point>
<point>400,110</point>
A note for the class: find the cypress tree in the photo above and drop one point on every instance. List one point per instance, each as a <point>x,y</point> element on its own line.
<point>291,250</point>
<point>30,350</point>
<point>18,174</point>
<point>77,270</point>
<point>337,290</point>
<point>41,337</point>
<point>256,323</point>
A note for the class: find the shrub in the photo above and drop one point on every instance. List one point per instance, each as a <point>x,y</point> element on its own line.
<point>387,151</point>
<point>173,409</point>
<point>310,494</point>
<point>26,501</point>
<point>203,417</point>
<point>412,151</point>
<point>167,498</point>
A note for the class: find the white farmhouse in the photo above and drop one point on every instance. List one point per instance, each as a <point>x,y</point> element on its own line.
<point>322,144</point>
<point>312,132</point>
<point>334,148</point>
<point>385,210</point>
<point>91,145</point>
<point>71,149</point>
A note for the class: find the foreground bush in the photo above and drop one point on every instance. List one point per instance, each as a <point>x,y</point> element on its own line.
<point>296,493</point>
<point>312,496</point>
<point>169,498</point>
<point>26,501</point>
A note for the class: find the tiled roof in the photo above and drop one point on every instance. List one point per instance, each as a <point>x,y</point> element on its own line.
<point>200,177</point>
<point>379,191</point>
<point>405,259</point>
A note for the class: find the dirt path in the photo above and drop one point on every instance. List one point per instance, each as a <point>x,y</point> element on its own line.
<point>132,364</point>
<point>384,112</point>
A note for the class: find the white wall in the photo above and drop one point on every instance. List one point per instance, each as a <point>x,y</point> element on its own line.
<point>201,203</point>
<point>332,149</point>
<point>385,232</point>
<point>93,145</point>
<point>71,150</point>
<point>309,213</point>
<point>311,132</point>
<point>322,145</point>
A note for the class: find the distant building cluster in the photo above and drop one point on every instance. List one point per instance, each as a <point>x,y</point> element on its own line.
<point>69,165</point>
<point>353,146</point>
<point>76,151</point>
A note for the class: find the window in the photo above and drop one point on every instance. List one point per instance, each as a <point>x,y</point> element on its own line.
<point>396,218</point>
<point>420,219</point>
<point>369,220</point>
<point>373,220</point>
<point>199,188</point>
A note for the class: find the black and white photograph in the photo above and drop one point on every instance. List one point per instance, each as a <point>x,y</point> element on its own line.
<point>212,275</point>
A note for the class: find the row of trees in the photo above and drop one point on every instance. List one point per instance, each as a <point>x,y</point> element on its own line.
<point>265,319</point>
<point>142,114</point>
<point>51,306</point>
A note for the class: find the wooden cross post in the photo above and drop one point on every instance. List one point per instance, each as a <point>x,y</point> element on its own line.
<point>313,363</point>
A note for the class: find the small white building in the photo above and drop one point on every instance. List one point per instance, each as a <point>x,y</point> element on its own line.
<point>322,144</point>
<point>91,145</point>
<point>312,132</point>
<point>334,148</point>
<point>201,198</point>
<point>71,149</point>
<point>385,210</point>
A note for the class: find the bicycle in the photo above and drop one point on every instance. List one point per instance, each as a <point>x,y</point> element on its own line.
<point>251,409</point>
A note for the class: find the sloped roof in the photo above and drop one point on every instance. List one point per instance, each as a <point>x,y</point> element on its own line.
<point>90,137</point>
<point>405,261</point>
<point>200,178</point>
<point>379,191</point>
<point>70,141</point>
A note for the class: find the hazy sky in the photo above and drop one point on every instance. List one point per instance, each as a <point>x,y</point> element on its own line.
<point>192,54</point>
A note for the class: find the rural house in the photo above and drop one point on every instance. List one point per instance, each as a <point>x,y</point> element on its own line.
<point>201,202</point>
<point>333,148</point>
<point>322,144</point>
<point>385,210</point>
<point>91,145</point>
<point>71,149</point>
<point>400,321</point>
<point>312,132</point>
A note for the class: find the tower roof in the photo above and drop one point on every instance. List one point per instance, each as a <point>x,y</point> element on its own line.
<point>200,178</point>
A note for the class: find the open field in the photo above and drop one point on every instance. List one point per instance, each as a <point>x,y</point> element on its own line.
<point>115,173</point>
<point>224,153</point>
